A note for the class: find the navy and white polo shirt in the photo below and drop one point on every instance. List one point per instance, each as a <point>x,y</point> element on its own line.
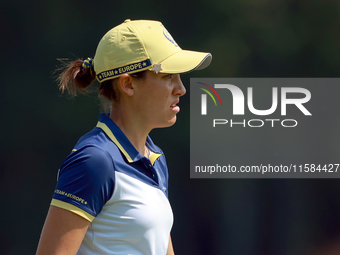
<point>124,194</point>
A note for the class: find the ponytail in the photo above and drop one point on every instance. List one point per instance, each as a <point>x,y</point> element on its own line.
<point>76,76</point>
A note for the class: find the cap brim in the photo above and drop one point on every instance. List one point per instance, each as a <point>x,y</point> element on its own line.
<point>186,61</point>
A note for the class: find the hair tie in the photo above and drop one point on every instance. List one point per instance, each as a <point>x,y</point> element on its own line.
<point>88,63</point>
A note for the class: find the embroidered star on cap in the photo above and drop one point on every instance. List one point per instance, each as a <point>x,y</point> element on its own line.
<point>156,68</point>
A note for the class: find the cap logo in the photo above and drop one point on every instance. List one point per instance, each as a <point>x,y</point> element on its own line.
<point>110,74</point>
<point>168,36</point>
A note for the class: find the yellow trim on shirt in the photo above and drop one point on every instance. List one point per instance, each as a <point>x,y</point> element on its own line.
<point>72,208</point>
<point>153,156</point>
<point>109,133</point>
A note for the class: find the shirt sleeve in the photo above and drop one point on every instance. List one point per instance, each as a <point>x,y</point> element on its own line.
<point>85,182</point>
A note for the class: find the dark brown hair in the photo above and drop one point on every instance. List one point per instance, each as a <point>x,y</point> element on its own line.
<point>75,79</point>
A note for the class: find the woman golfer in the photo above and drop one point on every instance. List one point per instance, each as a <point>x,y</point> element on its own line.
<point>112,191</point>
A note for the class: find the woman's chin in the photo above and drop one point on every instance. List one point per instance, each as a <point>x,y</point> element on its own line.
<point>168,123</point>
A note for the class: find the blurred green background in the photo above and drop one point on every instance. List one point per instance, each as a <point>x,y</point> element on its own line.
<point>258,38</point>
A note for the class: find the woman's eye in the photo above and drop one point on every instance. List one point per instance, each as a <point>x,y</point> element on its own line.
<point>169,76</point>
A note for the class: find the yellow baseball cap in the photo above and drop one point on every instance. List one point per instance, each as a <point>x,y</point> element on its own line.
<point>138,45</point>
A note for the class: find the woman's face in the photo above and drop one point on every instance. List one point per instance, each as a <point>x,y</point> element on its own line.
<point>157,97</point>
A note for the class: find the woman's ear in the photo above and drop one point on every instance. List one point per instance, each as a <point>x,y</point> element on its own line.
<point>125,84</point>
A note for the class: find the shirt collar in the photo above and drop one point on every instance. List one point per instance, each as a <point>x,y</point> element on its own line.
<point>122,142</point>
